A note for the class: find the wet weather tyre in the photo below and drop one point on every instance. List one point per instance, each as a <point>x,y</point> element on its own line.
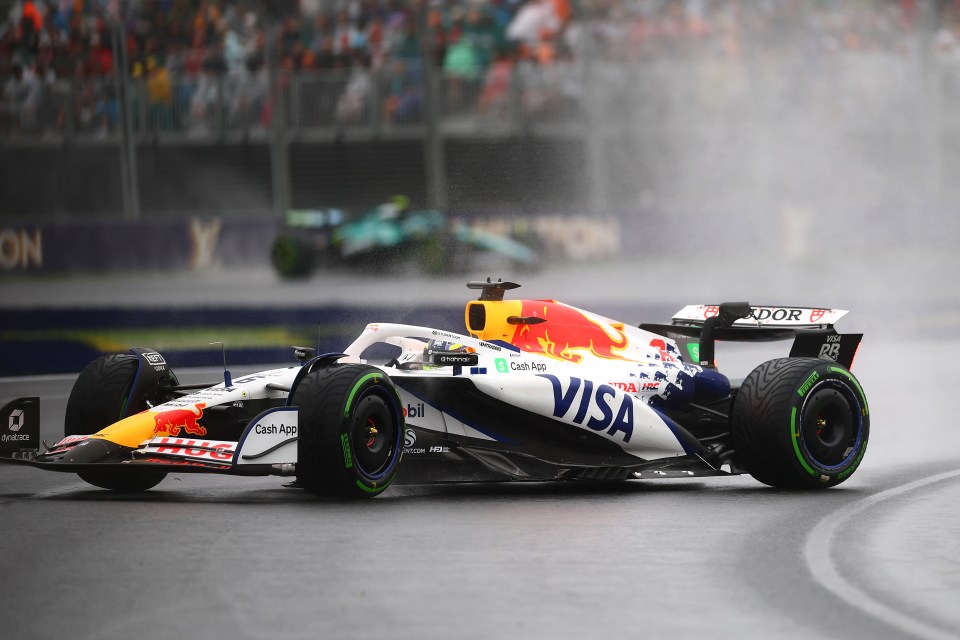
<point>800,423</point>
<point>99,398</point>
<point>292,257</point>
<point>351,431</point>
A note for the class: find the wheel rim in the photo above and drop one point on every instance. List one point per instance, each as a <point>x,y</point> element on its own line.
<point>831,425</point>
<point>373,432</point>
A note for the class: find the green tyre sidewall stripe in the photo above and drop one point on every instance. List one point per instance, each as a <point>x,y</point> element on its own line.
<point>331,401</point>
<point>366,485</point>
<point>768,429</point>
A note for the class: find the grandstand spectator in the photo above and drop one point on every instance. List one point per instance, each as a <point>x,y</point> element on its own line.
<point>187,39</point>
<point>462,69</point>
<point>29,30</point>
<point>495,95</point>
<point>352,105</point>
<point>159,96</point>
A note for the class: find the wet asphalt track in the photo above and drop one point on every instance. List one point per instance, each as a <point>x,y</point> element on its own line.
<point>209,556</point>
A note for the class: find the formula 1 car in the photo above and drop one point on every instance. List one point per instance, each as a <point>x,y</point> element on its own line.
<point>393,233</point>
<point>535,390</point>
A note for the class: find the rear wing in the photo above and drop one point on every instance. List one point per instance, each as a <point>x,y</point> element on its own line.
<point>696,328</point>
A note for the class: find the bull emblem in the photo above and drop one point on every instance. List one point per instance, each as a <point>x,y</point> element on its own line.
<point>172,421</point>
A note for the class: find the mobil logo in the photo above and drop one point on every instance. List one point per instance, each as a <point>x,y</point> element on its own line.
<point>567,333</point>
<point>596,407</point>
<point>188,419</point>
<point>417,410</point>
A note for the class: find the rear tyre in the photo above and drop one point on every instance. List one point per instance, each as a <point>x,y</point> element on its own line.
<point>99,398</point>
<point>800,423</point>
<point>351,431</point>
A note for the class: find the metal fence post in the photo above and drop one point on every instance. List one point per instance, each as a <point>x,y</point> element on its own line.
<point>278,135</point>
<point>433,152</point>
<point>128,150</point>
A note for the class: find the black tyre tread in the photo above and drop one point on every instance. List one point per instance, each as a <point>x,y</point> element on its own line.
<point>292,257</point>
<point>127,481</point>
<point>97,400</point>
<point>760,415</point>
<point>320,396</point>
<point>107,379</point>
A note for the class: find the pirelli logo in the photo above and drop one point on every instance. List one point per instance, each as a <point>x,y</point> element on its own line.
<point>808,383</point>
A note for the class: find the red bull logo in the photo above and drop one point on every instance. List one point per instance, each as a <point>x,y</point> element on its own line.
<point>173,420</point>
<point>568,333</point>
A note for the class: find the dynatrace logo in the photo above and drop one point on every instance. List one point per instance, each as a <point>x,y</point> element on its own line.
<point>16,420</point>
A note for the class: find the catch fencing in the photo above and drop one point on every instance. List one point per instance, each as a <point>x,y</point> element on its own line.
<point>764,148</point>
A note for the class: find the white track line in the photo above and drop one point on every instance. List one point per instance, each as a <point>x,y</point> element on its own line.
<point>818,554</point>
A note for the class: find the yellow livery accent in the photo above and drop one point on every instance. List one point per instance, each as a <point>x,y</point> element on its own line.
<point>131,431</point>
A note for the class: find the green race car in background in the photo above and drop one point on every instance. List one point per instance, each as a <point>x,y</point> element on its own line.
<point>391,234</point>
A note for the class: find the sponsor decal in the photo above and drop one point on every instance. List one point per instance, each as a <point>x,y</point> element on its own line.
<point>274,429</point>
<point>16,420</point>
<point>693,348</point>
<point>527,366</point>
<point>173,420</point>
<point>490,346</point>
<point>409,438</point>
<point>633,387</point>
<point>155,360</point>
<point>19,249</point>
<point>807,384</point>
<point>414,410</point>
<point>831,349</point>
<point>448,359</point>
<point>212,450</point>
<point>259,376</point>
<point>591,407</point>
<point>777,315</point>
<point>14,423</point>
<point>501,364</point>
<point>153,357</point>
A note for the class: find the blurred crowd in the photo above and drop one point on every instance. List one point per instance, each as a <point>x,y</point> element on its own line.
<point>197,62</point>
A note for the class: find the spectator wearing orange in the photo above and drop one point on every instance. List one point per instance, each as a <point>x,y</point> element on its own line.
<point>159,95</point>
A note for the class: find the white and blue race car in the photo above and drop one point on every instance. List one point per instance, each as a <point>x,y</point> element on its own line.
<point>535,390</point>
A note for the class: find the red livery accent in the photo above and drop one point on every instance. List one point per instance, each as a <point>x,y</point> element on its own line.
<point>566,331</point>
<point>173,420</point>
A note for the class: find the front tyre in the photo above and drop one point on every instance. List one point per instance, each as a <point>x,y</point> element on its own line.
<point>800,423</point>
<point>100,397</point>
<point>351,431</point>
